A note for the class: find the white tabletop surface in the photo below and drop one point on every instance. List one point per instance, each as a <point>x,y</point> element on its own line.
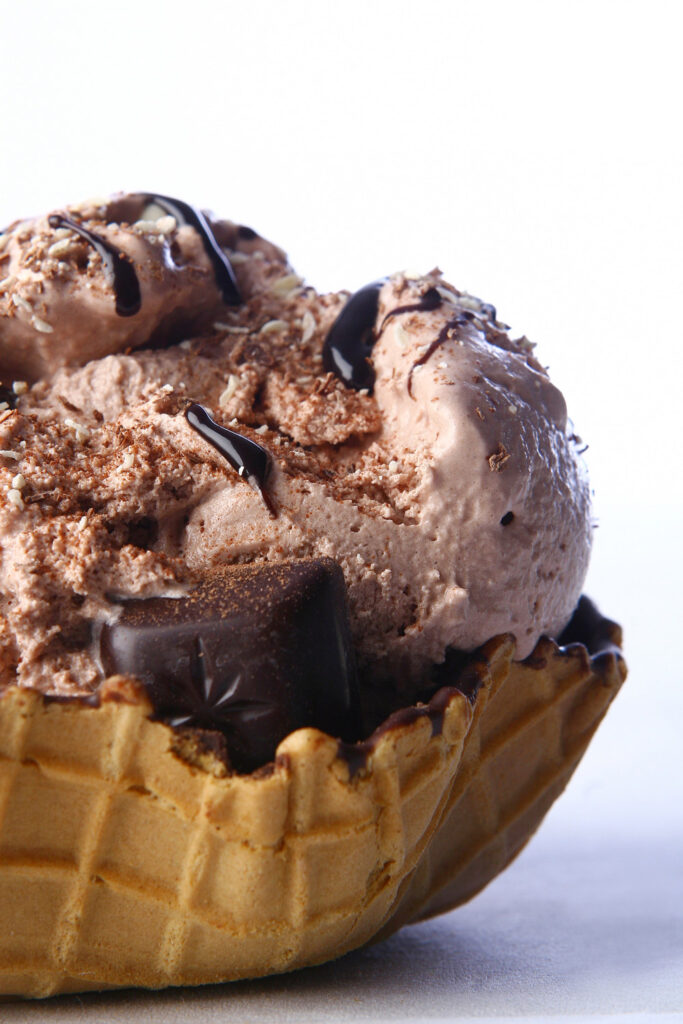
<point>534,151</point>
<point>573,930</point>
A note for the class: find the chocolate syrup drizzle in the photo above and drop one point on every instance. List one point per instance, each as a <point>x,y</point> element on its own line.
<point>222,269</point>
<point>351,338</point>
<point>118,267</point>
<point>443,335</point>
<point>249,459</point>
<point>429,301</point>
<point>349,341</point>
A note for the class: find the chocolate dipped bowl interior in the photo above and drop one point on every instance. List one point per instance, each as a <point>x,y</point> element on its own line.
<point>279,576</point>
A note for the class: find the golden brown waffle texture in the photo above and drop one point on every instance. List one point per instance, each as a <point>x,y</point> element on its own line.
<point>123,864</point>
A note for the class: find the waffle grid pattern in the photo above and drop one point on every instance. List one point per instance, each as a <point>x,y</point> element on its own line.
<point>530,730</point>
<point>122,865</point>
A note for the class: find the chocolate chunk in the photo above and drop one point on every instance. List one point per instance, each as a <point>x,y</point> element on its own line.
<point>253,652</point>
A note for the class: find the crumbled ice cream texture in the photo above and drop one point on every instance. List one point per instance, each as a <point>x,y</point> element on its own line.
<point>457,506</point>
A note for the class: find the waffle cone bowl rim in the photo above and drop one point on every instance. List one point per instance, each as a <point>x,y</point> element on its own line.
<point>395,806</point>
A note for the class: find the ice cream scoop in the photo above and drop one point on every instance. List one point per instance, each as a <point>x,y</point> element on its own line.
<point>113,275</point>
<point>223,491</point>
<point>406,435</point>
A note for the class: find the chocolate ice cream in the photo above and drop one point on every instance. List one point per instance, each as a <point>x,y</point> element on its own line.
<point>275,572</point>
<point>403,432</point>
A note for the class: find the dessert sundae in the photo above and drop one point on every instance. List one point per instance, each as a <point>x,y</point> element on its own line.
<point>292,643</point>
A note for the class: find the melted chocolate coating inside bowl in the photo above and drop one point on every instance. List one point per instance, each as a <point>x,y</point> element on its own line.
<point>253,652</point>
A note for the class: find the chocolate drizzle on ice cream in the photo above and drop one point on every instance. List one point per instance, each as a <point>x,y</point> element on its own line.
<point>430,300</point>
<point>444,334</point>
<point>349,342</point>
<point>222,268</point>
<point>249,459</point>
<point>112,498</point>
<point>160,272</point>
<point>117,265</point>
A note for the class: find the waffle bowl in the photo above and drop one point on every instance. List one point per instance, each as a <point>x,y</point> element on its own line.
<point>129,856</point>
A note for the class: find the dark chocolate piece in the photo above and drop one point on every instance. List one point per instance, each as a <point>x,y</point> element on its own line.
<point>254,652</point>
<point>349,342</point>
<point>249,459</point>
<point>118,267</point>
<point>222,268</point>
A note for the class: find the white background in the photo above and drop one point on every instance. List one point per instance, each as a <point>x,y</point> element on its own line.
<point>533,151</point>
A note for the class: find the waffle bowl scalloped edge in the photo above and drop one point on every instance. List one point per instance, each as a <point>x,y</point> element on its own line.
<point>122,864</point>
